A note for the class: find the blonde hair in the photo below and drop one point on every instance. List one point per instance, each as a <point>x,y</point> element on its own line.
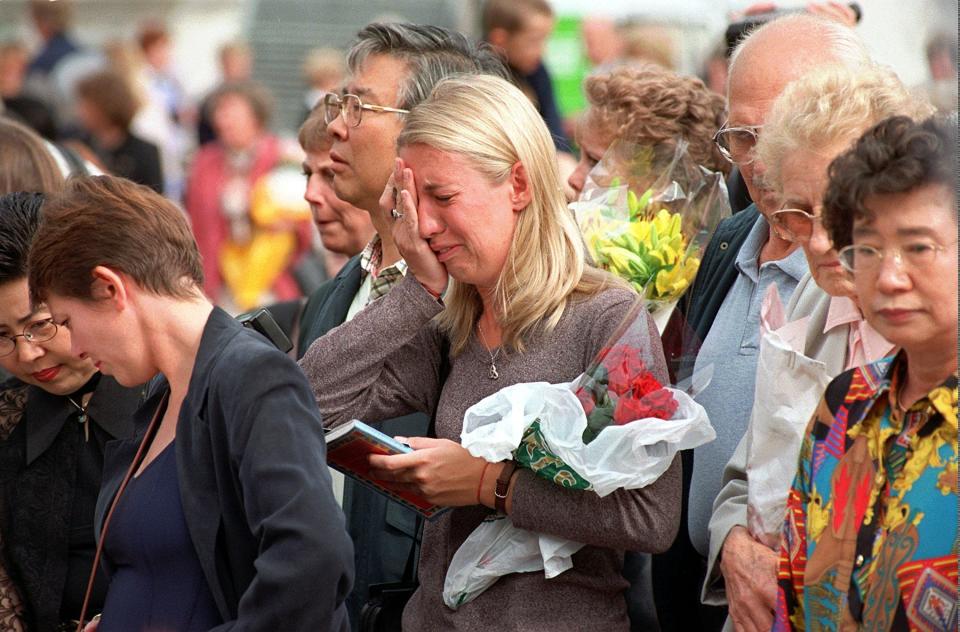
<point>493,125</point>
<point>831,105</point>
<point>324,66</point>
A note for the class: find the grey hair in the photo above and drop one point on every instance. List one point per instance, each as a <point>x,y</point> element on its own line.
<point>431,53</point>
<point>833,38</point>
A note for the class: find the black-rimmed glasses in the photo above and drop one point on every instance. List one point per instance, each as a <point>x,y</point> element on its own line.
<point>38,331</point>
<point>350,108</point>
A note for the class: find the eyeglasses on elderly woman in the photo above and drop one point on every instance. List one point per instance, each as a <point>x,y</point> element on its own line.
<point>915,255</point>
<point>350,108</point>
<point>37,331</point>
<point>737,144</point>
<point>796,224</point>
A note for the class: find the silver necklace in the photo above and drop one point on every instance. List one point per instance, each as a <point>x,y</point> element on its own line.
<point>493,374</point>
<point>82,419</point>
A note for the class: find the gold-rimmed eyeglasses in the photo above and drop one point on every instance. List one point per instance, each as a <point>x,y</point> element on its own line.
<point>37,331</point>
<point>796,224</point>
<point>350,108</point>
<point>737,143</point>
<point>917,255</point>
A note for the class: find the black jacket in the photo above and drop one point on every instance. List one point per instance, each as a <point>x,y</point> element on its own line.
<point>256,492</point>
<point>677,575</point>
<point>328,305</point>
<point>691,321</point>
<point>42,484</point>
<point>383,531</point>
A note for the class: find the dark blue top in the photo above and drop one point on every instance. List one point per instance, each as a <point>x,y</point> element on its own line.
<point>157,582</point>
<point>56,48</point>
<point>254,485</point>
<point>542,86</point>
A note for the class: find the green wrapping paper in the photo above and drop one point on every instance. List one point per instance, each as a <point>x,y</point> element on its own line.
<point>532,453</point>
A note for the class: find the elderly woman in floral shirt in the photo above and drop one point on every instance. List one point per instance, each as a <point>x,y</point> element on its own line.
<point>870,536</point>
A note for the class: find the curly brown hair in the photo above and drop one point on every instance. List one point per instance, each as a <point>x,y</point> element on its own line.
<point>650,105</point>
<point>894,156</point>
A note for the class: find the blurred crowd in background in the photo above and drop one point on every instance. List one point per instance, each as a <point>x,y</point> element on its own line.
<point>121,106</point>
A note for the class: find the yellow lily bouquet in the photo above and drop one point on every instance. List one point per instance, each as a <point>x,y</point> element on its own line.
<point>653,240</point>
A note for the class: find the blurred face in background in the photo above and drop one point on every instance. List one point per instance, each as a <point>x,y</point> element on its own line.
<point>158,54</point>
<point>524,48</point>
<point>594,140</point>
<point>236,65</point>
<point>13,68</point>
<point>235,122</point>
<point>344,228</point>
<point>362,156</point>
<point>90,116</point>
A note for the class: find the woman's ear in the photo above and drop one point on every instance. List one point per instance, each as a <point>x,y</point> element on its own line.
<point>109,286</point>
<point>520,194</point>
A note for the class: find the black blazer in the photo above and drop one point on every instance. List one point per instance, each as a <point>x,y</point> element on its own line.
<point>383,531</point>
<point>39,484</point>
<point>256,492</point>
<point>328,305</point>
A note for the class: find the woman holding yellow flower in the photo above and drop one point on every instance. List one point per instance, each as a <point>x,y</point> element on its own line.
<point>645,210</point>
<point>652,109</point>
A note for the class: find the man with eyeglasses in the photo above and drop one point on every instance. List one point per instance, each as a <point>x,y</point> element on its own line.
<point>393,67</point>
<point>745,256</point>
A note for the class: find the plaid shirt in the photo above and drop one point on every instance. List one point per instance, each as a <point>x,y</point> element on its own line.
<point>383,280</point>
<point>870,538</point>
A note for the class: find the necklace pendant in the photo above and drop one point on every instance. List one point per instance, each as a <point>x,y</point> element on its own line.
<point>494,374</point>
<point>82,419</point>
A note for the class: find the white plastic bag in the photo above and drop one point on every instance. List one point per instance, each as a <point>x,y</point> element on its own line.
<point>781,411</point>
<point>630,457</point>
<point>497,548</point>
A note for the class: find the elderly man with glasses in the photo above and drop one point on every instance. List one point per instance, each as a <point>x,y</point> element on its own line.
<point>393,67</point>
<point>745,257</point>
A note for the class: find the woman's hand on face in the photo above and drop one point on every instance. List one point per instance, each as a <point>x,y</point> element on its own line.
<point>421,260</point>
<point>440,470</point>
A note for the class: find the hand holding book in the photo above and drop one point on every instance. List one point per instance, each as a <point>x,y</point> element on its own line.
<point>350,449</point>
<point>439,470</point>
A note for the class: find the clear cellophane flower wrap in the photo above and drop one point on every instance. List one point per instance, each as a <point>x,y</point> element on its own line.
<point>614,427</point>
<point>646,214</point>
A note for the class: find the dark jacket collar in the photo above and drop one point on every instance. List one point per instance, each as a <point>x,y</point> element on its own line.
<point>220,328</point>
<point>46,413</point>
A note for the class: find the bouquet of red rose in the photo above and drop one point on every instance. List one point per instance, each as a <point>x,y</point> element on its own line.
<point>615,427</point>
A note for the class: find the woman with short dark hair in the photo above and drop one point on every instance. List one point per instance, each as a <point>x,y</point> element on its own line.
<point>870,538</point>
<point>225,516</point>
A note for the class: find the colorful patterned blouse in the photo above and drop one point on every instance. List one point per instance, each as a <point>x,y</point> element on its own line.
<point>870,539</point>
